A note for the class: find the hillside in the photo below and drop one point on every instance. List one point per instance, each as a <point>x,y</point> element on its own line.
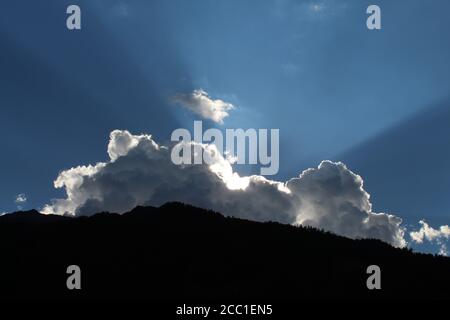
<point>182,252</point>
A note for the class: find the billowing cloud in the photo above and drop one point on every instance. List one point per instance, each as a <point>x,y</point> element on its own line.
<point>202,104</point>
<point>332,197</point>
<point>428,233</point>
<point>140,172</point>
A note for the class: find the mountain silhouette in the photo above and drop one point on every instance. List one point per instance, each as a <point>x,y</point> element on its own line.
<point>179,252</point>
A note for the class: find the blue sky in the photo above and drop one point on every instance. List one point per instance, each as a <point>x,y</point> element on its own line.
<point>376,100</point>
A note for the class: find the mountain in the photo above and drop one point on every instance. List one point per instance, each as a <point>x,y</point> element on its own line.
<point>177,252</point>
<point>31,216</point>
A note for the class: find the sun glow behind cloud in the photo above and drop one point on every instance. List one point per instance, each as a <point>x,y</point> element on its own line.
<point>140,172</point>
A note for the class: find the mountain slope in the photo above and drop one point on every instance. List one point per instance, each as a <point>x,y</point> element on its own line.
<point>182,252</point>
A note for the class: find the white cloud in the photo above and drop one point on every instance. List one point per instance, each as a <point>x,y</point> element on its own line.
<point>443,250</point>
<point>332,197</point>
<point>426,232</point>
<point>202,104</point>
<point>20,198</point>
<point>140,172</point>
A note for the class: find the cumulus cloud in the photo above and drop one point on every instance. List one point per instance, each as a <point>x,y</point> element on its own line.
<point>140,172</point>
<point>199,102</point>
<point>428,233</point>
<point>332,197</point>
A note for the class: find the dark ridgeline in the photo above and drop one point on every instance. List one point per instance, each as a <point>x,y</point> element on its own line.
<point>182,252</point>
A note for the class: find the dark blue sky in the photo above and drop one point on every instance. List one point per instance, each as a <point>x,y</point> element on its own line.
<point>377,100</point>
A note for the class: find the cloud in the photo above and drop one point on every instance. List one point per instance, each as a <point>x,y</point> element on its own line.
<point>332,197</point>
<point>443,250</point>
<point>429,233</point>
<point>201,103</point>
<point>140,172</point>
<point>426,232</point>
<point>20,198</point>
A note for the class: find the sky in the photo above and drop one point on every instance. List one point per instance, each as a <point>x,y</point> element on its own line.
<point>377,100</point>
